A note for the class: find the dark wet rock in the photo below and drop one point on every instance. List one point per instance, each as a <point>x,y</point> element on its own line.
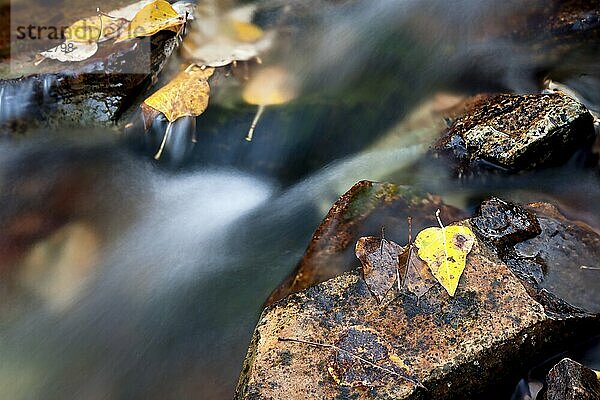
<point>457,347</point>
<point>569,380</point>
<point>94,92</point>
<point>580,18</point>
<point>556,257</point>
<point>362,211</point>
<point>504,224</point>
<point>517,132</point>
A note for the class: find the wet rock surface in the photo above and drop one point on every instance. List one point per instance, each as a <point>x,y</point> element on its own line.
<point>544,249</point>
<point>95,92</point>
<point>363,210</point>
<point>517,132</point>
<point>569,380</point>
<point>494,329</point>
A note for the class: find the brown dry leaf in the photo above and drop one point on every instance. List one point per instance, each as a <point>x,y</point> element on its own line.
<point>361,358</point>
<point>380,262</point>
<point>186,95</point>
<point>417,277</point>
<point>152,18</point>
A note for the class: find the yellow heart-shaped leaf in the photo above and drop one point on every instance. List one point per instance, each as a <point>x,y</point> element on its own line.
<point>445,252</point>
<point>186,95</point>
<point>154,17</point>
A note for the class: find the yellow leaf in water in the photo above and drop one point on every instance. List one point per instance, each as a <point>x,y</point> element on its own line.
<point>445,252</point>
<point>152,18</point>
<point>186,95</point>
<point>246,31</point>
<point>94,29</point>
<point>270,86</point>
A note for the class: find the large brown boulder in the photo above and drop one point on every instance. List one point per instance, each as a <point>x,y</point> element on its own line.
<point>335,340</point>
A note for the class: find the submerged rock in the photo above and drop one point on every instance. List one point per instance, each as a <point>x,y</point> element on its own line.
<point>569,380</point>
<point>363,210</point>
<point>517,132</point>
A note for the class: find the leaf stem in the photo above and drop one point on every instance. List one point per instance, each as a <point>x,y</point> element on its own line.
<point>164,141</point>
<point>259,112</point>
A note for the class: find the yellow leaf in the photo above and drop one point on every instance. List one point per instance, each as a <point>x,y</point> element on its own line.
<point>445,252</point>
<point>94,29</point>
<point>270,86</point>
<point>186,95</point>
<point>246,31</point>
<point>152,18</point>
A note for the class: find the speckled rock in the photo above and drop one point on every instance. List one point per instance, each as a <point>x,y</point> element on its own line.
<point>455,347</point>
<point>517,132</point>
<point>569,380</point>
<point>362,211</point>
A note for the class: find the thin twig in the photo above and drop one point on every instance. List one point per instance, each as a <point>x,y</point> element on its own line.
<point>590,268</point>
<point>331,346</point>
<point>382,240</point>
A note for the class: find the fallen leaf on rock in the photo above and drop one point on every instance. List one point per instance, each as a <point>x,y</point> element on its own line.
<point>417,276</point>
<point>70,52</point>
<point>186,95</point>
<point>223,52</point>
<point>380,261</point>
<point>445,250</point>
<point>270,86</point>
<point>217,40</point>
<point>95,29</point>
<point>152,18</point>
<point>360,358</point>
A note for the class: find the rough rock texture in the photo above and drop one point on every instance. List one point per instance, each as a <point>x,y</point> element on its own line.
<point>456,347</point>
<point>572,18</point>
<point>569,380</point>
<point>362,211</point>
<point>517,132</point>
<point>93,92</point>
